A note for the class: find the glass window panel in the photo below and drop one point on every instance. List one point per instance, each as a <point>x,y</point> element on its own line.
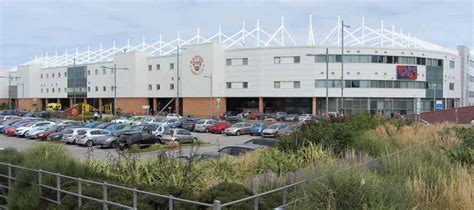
<point>364,83</point>
<point>373,83</point>
<point>381,84</point>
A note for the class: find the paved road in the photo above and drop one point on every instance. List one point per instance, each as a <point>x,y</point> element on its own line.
<point>214,141</point>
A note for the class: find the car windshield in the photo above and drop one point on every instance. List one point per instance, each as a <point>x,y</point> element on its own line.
<point>201,122</point>
<point>238,125</point>
<point>81,132</point>
<point>265,142</point>
<point>274,126</point>
<point>169,132</point>
<point>258,125</point>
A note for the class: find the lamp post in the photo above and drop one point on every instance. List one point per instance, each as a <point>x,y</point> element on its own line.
<point>115,85</point>
<point>9,88</point>
<point>342,65</point>
<point>211,96</point>
<point>434,96</point>
<point>327,77</point>
<point>178,48</point>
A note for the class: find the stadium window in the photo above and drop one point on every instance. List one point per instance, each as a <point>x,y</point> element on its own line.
<point>65,74</point>
<point>296,84</point>
<point>96,72</point>
<point>296,59</point>
<point>111,71</point>
<point>150,67</point>
<point>88,72</point>
<point>338,58</point>
<point>245,85</point>
<point>171,66</point>
<point>88,89</point>
<point>47,75</point>
<point>276,84</point>
<point>364,58</point>
<point>104,71</point>
<point>276,60</point>
<point>451,64</point>
<point>228,62</point>
<point>228,85</point>
<point>41,76</point>
<point>158,87</point>
<point>364,84</point>
<point>47,90</point>
<point>440,62</point>
<point>96,89</point>
<point>52,75</point>
<point>373,83</point>
<point>451,86</point>
<point>388,84</point>
<point>355,84</point>
<point>389,59</point>
<point>149,87</point>
<point>319,83</point>
<point>59,90</point>
<point>171,86</point>
<point>52,90</point>
<point>112,88</point>
<point>104,88</point>
<point>157,67</point>
<point>41,90</point>
<point>245,61</point>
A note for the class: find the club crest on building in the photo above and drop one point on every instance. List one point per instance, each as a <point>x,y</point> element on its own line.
<point>197,65</point>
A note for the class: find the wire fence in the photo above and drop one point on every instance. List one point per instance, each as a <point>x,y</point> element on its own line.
<point>54,192</point>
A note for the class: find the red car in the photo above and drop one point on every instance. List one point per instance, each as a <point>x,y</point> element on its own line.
<point>11,131</point>
<point>43,135</point>
<point>219,127</point>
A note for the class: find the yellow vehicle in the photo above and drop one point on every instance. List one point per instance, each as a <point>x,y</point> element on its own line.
<point>53,107</point>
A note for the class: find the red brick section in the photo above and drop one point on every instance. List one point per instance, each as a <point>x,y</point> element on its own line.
<point>4,100</point>
<point>201,107</point>
<point>25,103</point>
<point>462,115</point>
<point>132,105</point>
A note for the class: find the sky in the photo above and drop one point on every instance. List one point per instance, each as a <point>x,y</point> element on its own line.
<point>31,27</point>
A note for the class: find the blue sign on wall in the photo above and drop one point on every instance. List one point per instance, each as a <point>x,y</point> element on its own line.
<point>439,104</point>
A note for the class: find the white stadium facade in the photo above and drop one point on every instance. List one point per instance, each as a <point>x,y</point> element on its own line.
<point>369,69</point>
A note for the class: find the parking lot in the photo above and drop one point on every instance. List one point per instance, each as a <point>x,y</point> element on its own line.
<point>212,143</point>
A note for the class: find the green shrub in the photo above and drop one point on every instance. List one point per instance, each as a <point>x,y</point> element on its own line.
<point>227,192</point>
<point>373,144</point>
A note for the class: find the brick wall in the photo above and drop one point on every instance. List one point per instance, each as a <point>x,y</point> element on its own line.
<point>131,105</point>
<point>25,103</point>
<point>201,107</point>
<point>462,115</point>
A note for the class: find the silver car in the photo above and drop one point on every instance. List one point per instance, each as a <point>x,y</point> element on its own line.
<point>69,136</point>
<point>90,136</point>
<point>178,135</point>
<point>204,125</point>
<point>238,129</point>
<point>271,131</point>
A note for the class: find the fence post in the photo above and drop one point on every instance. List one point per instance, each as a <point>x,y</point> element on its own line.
<point>79,193</point>
<point>254,190</point>
<point>104,193</point>
<point>285,190</point>
<point>9,178</point>
<point>170,202</point>
<point>58,189</point>
<point>135,207</point>
<point>40,180</point>
<point>217,205</point>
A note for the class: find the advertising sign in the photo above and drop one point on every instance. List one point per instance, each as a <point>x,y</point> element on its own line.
<point>406,72</point>
<point>439,104</point>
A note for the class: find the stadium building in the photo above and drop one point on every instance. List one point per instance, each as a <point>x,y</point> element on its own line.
<point>375,69</point>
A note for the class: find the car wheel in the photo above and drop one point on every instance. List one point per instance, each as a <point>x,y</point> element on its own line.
<point>73,141</point>
<point>237,133</point>
<point>206,131</point>
<point>89,143</point>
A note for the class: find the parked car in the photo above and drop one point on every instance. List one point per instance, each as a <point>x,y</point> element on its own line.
<point>158,129</point>
<point>111,140</point>
<point>256,116</point>
<point>291,118</point>
<point>238,129</point>
<point>54,129</point>
<point>305,117</point>
<point>280,116</point>
<point>189,123</point>
<point>260,143</point>
<point>228,114</point>
<point>233,119</point>
<point>104,125</point>
<point>232,150</point>
<point>33,133</point>
<point>89,137</point>
<point>139,138</point>
<point>178,135</point>
<point>69,135</point>
<point>23,131</point>
<point>271,131</point>
<point>121,120</point>
<point>115,127</point>
<point>220,127</point>
<point>287,131</point>
<point>204,125</point>
<point>174,123</point>
<point>92,124</point>
<point>172,116</point>
<point>257,129</point>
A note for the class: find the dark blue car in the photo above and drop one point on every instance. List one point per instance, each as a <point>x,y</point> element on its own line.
<point>257,129</point>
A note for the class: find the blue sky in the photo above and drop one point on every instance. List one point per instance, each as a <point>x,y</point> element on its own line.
<point>32,27</point>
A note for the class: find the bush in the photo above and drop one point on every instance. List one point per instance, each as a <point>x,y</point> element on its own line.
<point>375,145</point>
<point>226,192</point>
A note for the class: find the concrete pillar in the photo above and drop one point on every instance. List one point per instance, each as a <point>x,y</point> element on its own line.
<point>100,105</point>
<point>46,101</point>
<point>58,101</point>
<point>313,107</point>
<point>84,100</point>
<point>155,105</point>
<point>260,104</point>
<point>175,106</point>
<point>71,102</point>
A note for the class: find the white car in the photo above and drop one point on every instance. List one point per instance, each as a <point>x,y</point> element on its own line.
<point>172,116</point>
<point>23,131</point>
<point>69,136</point>
<point>271,131</point>
<point>158,129</point>
<point>87,137</point>
<point>121,120</point>
<point>304,117</point>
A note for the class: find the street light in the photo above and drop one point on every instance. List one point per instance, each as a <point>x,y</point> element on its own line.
<point>211,98</point>
<point>115,84</point>
<point>327,77</point>
<point>434,96</point>
<point>342,65</point>
<point>9,86</point>
<point>178,48</point>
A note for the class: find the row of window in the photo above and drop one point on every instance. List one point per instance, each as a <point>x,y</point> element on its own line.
<point>237,61</point>
<point>243,85</point>
<point>321,58</point>
<point>379,84</point>
<point>158,87</point>
<point>158,67</point>
<point>286,84</point>
<point>52,75</point>
<point>52,90</point>
<point>104,71</point>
